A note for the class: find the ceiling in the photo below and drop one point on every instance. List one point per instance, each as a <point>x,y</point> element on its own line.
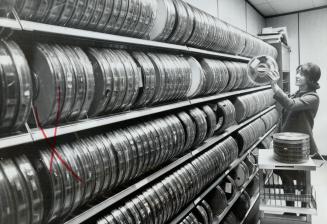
<point>275,7</point>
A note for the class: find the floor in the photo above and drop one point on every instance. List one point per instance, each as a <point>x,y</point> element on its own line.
<point>319,181</point>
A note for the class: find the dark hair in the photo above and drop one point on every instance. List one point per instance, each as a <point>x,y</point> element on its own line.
<point>312,73</point>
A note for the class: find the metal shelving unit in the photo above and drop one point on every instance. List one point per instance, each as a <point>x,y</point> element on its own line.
<point>35,134</point>
<point>135,187</point>
<point>193,204</point>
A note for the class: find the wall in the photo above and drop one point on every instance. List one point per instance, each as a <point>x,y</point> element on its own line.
<point>308,39</point>
<point>209,6</point>
<point>254,21</point>
<point>235,12</point>
<point>313,47</point>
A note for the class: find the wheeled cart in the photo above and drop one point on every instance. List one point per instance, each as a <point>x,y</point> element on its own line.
<point>292,202</point>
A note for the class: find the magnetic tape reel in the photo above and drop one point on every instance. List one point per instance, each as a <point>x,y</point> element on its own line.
<point>164,21</point>
<point>181,22</point>
<point>229,187</point>
<point>147,91</point>
<point>164,199</point>
<point>250,161</point>
<point>191,185</point>
<point>192,219</point>
<point>242,205</point>
<point>233,76</point>
<point>16,87</point>
<point>240,174</point>
<point>211,120</point>
<point>270,118</point>
<point>227,110</point>
<point>201,214</point>
<point>239,75</point>
<point>19,191</point>
<point>89,80</point>
<point>63,77</point>
<point>253,186</point>
<point>7,200</point>
<point>189,23</point>
<point>217,200</point>
<point>197,78</point>
<point>208,210</point>
<point>201,124</point>
<point>241,108</point>
<point>263,69</point>
<point>102,80</point>
<point>230,218</point>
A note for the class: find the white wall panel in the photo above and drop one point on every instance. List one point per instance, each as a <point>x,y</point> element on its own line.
<point>313,48</point>
<point>254,21</point>
<point>233,12</point>
<point>209,6</point>
<point>291,22</point>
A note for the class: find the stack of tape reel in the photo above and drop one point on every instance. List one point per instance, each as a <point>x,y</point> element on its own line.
<point>173,21</point>
<point>123,17</point>
<point>103,162</point>
<point>22,200</point>
<point>251,104</point>
<point>223,76</point>
<point>291,147</point>
<point>82,83</point>
<point>181,23</point>
<point>108,160</point>
<point>68,83</point>
<point>168,195</point>
<point>250,134</point>
<point>270,118</point>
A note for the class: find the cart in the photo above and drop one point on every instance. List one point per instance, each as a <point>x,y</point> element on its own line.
<point>281,203</point>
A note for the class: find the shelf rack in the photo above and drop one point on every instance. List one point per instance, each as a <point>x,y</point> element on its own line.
<point>47,29</point>
<point>135,187</point>
<point>35,134</point>
<point>193,204</point>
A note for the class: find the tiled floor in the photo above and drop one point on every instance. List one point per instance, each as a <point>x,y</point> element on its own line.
<point>319,181</point>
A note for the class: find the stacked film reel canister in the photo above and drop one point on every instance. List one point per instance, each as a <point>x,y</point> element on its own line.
<point>173,21</point>
<point>291,147</point>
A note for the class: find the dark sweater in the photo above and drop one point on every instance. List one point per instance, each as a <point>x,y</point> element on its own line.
<point>299,112</point>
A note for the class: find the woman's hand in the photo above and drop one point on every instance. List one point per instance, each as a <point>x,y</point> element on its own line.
<point>274,85</point>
